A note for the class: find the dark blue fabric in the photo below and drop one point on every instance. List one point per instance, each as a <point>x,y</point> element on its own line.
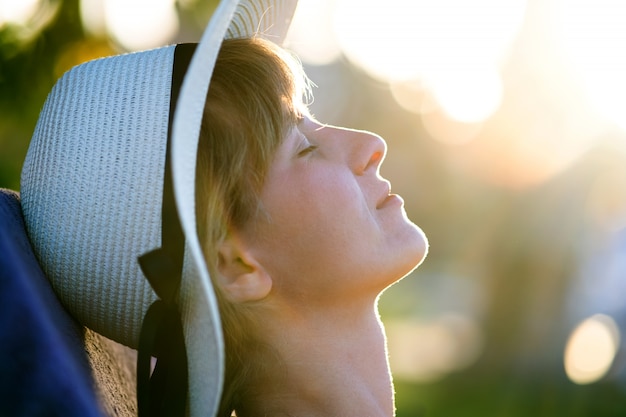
<point>44,370</point>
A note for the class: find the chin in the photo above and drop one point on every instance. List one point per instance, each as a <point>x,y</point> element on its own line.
<point>416,252</point>
<point>403,256</point>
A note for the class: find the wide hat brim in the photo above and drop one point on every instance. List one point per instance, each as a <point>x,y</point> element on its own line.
<point>92,188</point>
<point>266,18</point>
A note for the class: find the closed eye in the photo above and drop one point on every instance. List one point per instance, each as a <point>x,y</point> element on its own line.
<point>307,150</point>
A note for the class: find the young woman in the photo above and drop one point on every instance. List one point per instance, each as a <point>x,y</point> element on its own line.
<point>152,187</point>
<point>301,235</point>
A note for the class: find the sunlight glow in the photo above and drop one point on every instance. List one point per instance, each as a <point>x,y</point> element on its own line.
<point>410,95</point>
<point>92,16</point>
<point>17,12</point>
<point>311,35</point>
<point>593,34</point>
<point>455,45</point>
<point>441,127</point>
<point>469,96</point>
<point>141,24</point>
<point>591,349</point>
<point>427,351</point>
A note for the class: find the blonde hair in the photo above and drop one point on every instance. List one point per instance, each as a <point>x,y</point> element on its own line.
<point>256,95</point>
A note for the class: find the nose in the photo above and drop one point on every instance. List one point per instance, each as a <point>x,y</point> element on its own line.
<point>368,152</point>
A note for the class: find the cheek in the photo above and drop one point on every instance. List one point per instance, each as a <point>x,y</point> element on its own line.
<point>313,216</point>
<point>320,203</point>
<point>312,223</point>
<point>313,195</point>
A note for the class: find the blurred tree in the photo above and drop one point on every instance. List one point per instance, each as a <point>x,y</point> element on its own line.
<point>27,72</point>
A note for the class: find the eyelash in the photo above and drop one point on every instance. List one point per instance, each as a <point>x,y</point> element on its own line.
<point>307,150</point>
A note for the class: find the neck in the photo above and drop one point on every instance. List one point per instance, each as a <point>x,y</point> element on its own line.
<point>330,364</point>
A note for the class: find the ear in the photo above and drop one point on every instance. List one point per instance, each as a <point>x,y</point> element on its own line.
<point>241,277</point>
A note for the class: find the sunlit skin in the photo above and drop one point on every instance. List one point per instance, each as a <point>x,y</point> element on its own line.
<point>329,238</point>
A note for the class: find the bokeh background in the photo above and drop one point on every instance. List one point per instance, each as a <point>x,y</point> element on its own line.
<point>506,125</point>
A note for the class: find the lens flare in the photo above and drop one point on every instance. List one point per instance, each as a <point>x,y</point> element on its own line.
<point>593,36</point>
<point>455,46</point>
<point>141,24</point>
<point>17,12</point>
<point>591,349</point>
<point>311,35</point>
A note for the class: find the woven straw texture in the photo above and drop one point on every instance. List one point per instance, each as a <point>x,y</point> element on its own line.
<point>92,185</point>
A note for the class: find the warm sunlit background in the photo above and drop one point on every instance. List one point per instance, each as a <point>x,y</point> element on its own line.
<point>506,124</point>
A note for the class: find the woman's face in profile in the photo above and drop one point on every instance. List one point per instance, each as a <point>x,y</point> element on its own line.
<point>331,228</point>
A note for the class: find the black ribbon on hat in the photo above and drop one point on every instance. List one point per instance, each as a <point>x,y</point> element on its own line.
<point>163,391</point>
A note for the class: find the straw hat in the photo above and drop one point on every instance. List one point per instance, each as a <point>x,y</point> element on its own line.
<point>99,186</point>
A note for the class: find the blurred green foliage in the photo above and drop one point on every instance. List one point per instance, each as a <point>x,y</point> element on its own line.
<point>27,73</point>
<point>536,395</point>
